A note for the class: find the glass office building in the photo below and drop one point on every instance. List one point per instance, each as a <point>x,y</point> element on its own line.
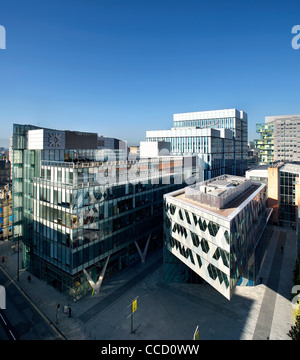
<point>75,206</point>
<point>219,138</point>
<point>284,194</point>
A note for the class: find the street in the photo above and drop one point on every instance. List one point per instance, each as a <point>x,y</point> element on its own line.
<point>21,320</point>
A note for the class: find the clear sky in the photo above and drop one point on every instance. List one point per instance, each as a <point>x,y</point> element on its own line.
<point>121,67</point>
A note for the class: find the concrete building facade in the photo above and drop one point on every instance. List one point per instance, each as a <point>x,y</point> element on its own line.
<point>286,137</point>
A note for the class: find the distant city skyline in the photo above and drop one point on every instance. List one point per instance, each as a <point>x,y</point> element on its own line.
<point>4,143</point>
<point>121,68</point>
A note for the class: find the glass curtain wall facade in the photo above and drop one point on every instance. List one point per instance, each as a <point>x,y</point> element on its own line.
<point>216,153</point>
<point>287,209</point>
<point>78,222</point>
<point>284,194</point>
<point>214,123</point>
<point>26,165</point>
<point>74,207</point>
<point>220,152</point>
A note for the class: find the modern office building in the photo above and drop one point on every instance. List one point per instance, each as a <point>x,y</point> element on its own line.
<point>283,189</point>
<point>74,208</point>
<point>219,139</point>
<point>286,137</point>
<point>113,144</point>
<point>284,193</point>
<point>213,229</point>
<point>265,145</point>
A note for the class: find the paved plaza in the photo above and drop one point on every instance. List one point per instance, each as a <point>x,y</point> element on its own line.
<point>172,311</point>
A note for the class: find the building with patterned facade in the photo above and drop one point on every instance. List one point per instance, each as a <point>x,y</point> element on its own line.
<point>265,145</point>
<point>214,229</point>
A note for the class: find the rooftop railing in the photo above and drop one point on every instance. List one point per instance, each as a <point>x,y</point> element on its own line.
<point>210,193</point>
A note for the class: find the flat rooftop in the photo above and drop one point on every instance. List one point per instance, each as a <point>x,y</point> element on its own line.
<point>270,119</point>
<point>218,192</point>
<point>225,212</point>
<point>220,186</point>
<point>293,168</point>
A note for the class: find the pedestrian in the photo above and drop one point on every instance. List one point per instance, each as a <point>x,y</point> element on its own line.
<point>29,278</point>
<point>261,280</point>
<point>57,309</point>
<point>281,249</point>
<point>69,312</point>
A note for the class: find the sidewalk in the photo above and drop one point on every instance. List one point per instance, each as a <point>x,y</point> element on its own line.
<point>171,311</point>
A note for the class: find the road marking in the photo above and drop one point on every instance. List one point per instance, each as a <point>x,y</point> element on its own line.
<point>48,321</point>
<point>12,334</point>
<point>7,328</point>
<point>3,320</point>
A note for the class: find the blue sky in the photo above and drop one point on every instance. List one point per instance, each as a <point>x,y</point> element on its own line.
<point>121,67</point>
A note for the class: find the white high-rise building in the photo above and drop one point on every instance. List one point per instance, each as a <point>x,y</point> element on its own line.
<point>286,137</point>
<point>219,138</point>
